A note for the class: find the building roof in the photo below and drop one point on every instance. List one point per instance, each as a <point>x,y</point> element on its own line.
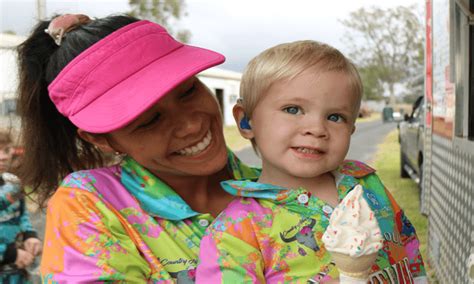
<point>216,72</point>
<point>8,41</point>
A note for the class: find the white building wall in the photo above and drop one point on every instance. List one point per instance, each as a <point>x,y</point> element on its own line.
<point>229,83</point>
<point>8,65</point>
<point>8,73</point>
<point>8,76</point>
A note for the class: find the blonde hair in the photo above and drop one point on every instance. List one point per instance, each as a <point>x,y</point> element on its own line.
<point>288,60</point>
<point>5,138</point>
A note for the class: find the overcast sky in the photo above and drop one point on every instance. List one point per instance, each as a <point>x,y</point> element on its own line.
<point>239,29</point>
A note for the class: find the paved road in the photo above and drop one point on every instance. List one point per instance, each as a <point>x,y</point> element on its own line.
<point>366,138</point>
<point>364,143</point>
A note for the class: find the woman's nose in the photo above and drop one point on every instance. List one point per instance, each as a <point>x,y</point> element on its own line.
<point>187,124</point>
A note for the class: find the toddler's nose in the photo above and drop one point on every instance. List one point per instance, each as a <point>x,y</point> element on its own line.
<point>316,128</point>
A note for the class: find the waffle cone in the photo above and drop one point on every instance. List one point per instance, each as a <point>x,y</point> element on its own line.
<point>355,267</point>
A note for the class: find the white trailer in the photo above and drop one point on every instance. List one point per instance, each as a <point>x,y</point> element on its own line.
<point>448,168</point>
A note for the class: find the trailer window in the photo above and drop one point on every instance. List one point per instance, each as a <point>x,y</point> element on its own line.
<point>471,77</point>
<point>462,71</point>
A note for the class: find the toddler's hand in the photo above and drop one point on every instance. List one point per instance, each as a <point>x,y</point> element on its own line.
<point>23,258</point>
<point>33,246</point>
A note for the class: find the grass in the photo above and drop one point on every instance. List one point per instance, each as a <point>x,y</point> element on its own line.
<point>372,117</point>
<point>405,191</point>
<point>234,140</point>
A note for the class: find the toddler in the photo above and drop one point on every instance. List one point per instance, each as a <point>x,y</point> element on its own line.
<point>298,106</point>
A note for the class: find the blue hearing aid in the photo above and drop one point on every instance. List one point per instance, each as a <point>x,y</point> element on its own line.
<point>244,123</point>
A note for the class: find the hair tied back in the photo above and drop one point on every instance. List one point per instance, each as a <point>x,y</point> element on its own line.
<point>59,26</point>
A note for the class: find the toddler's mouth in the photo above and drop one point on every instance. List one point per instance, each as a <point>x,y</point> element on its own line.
<point>306,150</point>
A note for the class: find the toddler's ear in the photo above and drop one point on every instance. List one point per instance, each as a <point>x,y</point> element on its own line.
<point>242,121</point>
<point>353,129</point>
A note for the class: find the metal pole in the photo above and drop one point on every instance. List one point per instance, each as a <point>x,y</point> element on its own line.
<point>41,9</point>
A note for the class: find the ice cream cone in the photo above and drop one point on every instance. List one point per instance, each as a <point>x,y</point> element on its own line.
<point>354,267</point>
<point>353,237</point>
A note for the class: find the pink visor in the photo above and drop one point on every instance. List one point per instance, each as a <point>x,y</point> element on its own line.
<point>115,80</point>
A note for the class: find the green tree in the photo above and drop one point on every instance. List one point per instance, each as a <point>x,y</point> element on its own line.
<point>164,12</point>
<point>387,42</point>
<point>373,88</point>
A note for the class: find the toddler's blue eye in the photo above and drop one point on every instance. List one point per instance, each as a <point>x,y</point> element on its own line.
<point>292,110</point>
<point>335,117</point>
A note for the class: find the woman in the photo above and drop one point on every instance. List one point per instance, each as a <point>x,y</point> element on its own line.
<point>126,87</point>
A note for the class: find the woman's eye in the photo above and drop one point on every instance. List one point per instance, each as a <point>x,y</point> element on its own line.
<point>335,117</point>
<point>189,92</point>
<point>292,110</point>
<point>151,121</point>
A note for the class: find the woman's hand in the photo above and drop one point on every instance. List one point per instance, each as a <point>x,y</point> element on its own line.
<point>23,258</point>
<point>33,246</point>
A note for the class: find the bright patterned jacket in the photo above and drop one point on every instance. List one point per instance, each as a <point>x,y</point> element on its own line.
<point>14,221</point>
<point>123,224</point>
<point>273,235</point>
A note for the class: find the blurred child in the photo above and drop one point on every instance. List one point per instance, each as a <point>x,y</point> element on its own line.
<point>299,103</point>
<point>19,244</point>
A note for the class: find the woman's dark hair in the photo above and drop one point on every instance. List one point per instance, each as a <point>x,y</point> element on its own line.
<point>52,147</point>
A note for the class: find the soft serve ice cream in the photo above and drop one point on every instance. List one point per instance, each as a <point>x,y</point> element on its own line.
<point>353,236</point>
<point>353,228</point>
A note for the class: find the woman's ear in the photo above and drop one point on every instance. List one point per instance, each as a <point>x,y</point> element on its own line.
<point>98,140</point>
<point>242,121</point>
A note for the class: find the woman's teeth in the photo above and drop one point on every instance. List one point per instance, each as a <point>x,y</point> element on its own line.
<point>307,151</point>
<point>198,147</point>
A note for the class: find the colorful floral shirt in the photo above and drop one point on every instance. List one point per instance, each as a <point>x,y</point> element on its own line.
<point>121,223</point>
<point>273,234</point>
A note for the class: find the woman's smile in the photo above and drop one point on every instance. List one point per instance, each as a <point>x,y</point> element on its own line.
<point>198,147</point>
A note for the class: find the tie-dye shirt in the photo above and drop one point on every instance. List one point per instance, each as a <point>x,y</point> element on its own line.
<point>121,223</point>
<point>272,234</point>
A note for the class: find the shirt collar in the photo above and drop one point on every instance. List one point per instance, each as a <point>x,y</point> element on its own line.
<point>160,200</point>
<point>349,175</point>
<point>346,176</point>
